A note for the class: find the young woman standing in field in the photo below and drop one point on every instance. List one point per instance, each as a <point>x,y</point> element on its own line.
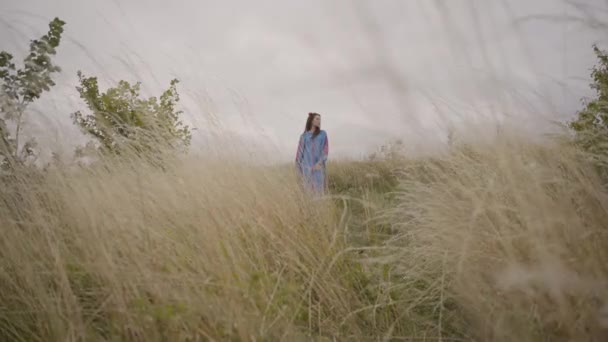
<point>311,156</point>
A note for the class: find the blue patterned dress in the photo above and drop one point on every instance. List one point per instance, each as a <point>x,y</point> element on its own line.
<point>310,152</point>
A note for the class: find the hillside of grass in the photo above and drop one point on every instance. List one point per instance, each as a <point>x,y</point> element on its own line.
<point>490,242</point>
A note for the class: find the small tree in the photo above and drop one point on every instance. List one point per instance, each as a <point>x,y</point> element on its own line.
<point>122,121</point>
<point>21,87</point>
<point>591,123</point>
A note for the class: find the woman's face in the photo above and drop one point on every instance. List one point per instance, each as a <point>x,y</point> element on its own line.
<point>316,121</point>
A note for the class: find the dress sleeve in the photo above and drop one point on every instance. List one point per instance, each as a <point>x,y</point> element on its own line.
<point>325,149</point>
<point>300,153</point>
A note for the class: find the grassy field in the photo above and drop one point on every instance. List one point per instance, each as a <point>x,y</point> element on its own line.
<point>504,241</point>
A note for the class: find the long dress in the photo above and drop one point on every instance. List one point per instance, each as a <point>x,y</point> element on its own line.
<point>310,152</point>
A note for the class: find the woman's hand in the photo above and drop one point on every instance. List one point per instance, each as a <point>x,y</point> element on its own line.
<point>317,167</point>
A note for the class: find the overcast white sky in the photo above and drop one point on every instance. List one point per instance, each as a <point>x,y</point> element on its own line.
<point>375,70</point>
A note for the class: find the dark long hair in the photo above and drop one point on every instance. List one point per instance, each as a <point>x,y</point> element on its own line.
<point>311,116</point>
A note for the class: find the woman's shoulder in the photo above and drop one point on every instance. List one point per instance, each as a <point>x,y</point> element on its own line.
<point>308,134</point>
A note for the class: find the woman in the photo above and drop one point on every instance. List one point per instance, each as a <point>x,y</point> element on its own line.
<point>312,155</point>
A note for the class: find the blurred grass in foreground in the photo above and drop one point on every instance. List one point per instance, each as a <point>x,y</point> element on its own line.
<point>500,241</point>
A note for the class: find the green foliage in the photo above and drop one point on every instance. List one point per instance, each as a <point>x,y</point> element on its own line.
<point>20,87</point>
<point>356,178</point>
<point>121,120</point>
<point>591,124</point>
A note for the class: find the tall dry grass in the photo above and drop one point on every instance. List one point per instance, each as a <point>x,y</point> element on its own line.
<point>496,241</point>
<point>510,237</point>
<point>199,251</point>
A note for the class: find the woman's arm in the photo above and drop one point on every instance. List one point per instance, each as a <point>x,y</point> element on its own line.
<point>325,149</point>
<point>324,153</point>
